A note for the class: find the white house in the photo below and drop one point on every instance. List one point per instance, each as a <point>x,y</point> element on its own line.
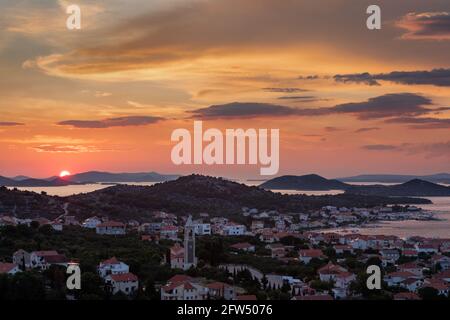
<point>22,258</point>
<point>9,268</point>
<point>427,248</point>
<point>126,283</point>
<point>112,266</point>
<point>359,243</point>
<point>441,260</point>
<point>233,229</point>
<point>395,278</point>
<point>307,255</point>
<point>243,246</point>
<point>91,223</point>
<point>169,232</point>
<point>330,272</point>
<point>181,287</point>
<point>220,290</point>
<point>303,217</point>
<point>177,256</point>
<point>257,225</point>
<point>343,248</point>
<point>111,228</point>
<point>57,226</point>
<point>412,267</point>
<point>44,259</point>
<point>411,284</point>
<point>202,229</point>
<point>389,256</point>
<point>343,279</point>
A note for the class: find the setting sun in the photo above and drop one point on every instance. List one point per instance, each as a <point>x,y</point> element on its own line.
<point>64,173</point>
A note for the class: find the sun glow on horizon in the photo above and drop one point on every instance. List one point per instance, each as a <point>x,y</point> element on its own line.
<point>64,173</point>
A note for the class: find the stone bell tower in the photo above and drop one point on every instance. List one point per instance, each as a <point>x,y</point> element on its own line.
<point>190,260</point>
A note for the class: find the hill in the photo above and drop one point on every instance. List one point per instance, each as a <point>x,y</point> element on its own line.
<point>85,177</point>
<point>30,182</point>
<point>98,176</point>
<point>412,188</point>
<point>309,182</point>
<point>394,178</point>
<point>187,195</point>
<point>219,197</point>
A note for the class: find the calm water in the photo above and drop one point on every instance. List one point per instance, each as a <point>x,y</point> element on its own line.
<point>403,229</point>
<point>440,206</point>
<point>77,189</point>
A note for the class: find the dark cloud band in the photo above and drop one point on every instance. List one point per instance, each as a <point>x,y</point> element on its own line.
<point>436,77</point>
<point>112,122</point>
<point>385,106</point>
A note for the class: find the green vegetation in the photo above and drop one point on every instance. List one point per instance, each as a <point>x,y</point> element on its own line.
<point>144,259</point>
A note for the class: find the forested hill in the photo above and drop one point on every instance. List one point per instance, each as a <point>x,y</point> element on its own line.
<point>187,195</point>
<point>195,194</point>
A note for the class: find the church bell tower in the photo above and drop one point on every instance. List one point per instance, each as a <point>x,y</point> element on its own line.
<point>190,260</point>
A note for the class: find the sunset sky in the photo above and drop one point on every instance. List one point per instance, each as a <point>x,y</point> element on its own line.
<point>347,100</point>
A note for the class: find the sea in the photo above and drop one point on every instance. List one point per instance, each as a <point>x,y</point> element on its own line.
<point>439,228</point>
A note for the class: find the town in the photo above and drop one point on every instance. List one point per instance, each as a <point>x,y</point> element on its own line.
<point>266,255</point>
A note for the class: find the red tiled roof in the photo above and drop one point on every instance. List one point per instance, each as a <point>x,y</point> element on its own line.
<point>315,297</point>
<point>112,224</point>
<point>217,285</point>
<point>112,260</point>
<point>403,274</point>
<point>59,258</point>
<point>124,277</point>
<point>331,269</point>
<point>410,281</point>
<point>406,296</point>
<point>242,245</point>
<point>409,265</point>
<point>342,247</point>
<point>313,253</point>
<point>410,253</point>
<point>438,285</point>
<point>442,275</point>
<point>186,284</point>
<point>169,228</point>
<point>344,275</point>
<point>179,278</point>
<point>246,298</point>
<point>6,267</point>
<point>46,253</point>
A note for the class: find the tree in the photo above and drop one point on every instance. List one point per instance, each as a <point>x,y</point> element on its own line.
<point>5,284</point>
<point>27,286</point>
<point>285,288</point>
<point>428,293</point>
<point>359,287</point>
<point>321,285</point>
<point>264,282</point>
<point>91,285</point>
<point>150,290</point>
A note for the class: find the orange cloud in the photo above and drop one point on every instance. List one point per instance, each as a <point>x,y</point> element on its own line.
<point>426,26</point>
